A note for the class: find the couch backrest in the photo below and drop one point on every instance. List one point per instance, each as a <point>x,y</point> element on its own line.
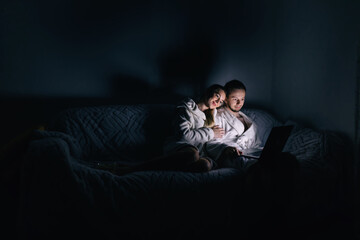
<point>125,133</point>
<point>131,133</point>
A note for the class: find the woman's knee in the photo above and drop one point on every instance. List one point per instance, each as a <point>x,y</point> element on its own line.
<point>201,165</point>
<point>190,154</point>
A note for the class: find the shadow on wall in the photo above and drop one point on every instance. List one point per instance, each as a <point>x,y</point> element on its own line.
<point>127,89</point>
<point>184,72</point>
<point>185,69</point>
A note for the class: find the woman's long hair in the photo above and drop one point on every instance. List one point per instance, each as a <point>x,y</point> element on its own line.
<point>210,118</point>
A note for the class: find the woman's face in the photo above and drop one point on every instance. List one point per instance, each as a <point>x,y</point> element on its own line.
<point>235,100</point>
<point>216,100</point>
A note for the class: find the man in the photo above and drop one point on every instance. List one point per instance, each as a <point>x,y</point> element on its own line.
<point>240,131</point>
<point>273,182</point>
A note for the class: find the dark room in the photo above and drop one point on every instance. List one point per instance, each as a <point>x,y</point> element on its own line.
<point>127,119</point>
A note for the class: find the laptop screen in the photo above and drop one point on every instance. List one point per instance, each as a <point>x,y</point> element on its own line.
<point>274,144</point>
<point>276,141</point>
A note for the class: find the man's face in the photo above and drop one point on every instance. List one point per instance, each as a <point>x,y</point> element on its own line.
<point>235,100</point>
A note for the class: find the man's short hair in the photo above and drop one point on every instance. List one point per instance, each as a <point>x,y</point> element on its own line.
<point>232,85</point>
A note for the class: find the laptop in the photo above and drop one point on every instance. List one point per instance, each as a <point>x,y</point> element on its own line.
<point>274,144</point>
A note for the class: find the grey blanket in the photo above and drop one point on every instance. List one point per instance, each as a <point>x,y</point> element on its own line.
<point>61,192</point>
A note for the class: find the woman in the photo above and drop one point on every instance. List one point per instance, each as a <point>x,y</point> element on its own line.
<point>194,125</point>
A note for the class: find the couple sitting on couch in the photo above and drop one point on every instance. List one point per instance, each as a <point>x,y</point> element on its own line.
<point>209,133</point>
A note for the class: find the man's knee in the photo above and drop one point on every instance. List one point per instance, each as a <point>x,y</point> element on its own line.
<point>227,158</point>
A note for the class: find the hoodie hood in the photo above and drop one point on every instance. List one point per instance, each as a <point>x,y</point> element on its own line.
<point>191,106</point>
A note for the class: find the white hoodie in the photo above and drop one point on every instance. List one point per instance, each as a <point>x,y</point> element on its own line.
<point>235,136</point>
<point>189,128</point>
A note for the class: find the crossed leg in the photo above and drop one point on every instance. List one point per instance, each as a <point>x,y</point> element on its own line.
<point>184,159</point>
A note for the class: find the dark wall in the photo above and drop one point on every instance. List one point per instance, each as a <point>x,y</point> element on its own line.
<point>97,48</point>
<point>315,65</point>
<point>59,54</point>
<point>295,57</point>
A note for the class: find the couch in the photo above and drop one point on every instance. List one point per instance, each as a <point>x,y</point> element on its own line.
<point>64,193</point>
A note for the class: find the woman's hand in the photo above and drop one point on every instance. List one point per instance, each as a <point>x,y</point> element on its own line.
<point>218,131</point>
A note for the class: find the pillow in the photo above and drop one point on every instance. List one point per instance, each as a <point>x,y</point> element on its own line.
<point>304,143</point>
<point>263,120</point>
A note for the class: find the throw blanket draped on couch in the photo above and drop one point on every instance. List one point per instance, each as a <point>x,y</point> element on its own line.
<point>63,195</point>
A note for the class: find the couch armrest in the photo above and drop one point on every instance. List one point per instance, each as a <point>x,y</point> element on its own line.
<point>47,189</point>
